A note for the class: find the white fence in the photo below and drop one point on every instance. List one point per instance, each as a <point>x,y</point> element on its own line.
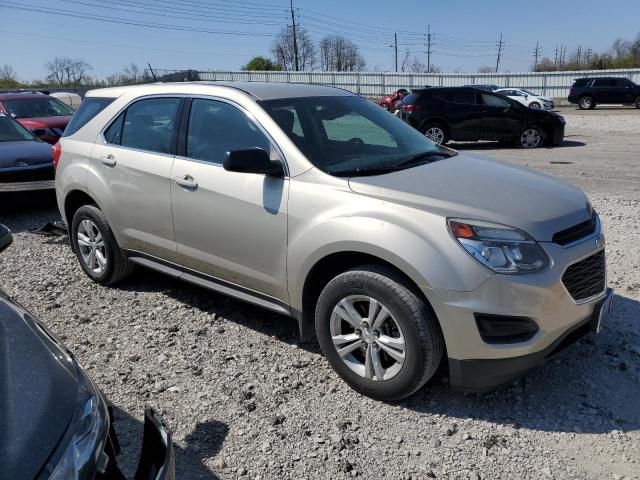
<point>374,84</point>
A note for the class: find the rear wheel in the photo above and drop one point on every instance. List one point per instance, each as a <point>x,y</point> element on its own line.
<point>535,105</point>
<point>531,137</point>
<point>436,132</point>
<point>637,102</point>
<point>586,103</point>
<point>96,248</point>
<point>378,335</point>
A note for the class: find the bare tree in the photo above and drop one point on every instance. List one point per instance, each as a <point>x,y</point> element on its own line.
<point>283,50</point>
<point>338,54</point>
<point>67,72</point>
<point>133,73</point>
<point>8,74</point>
<point>487,69</point>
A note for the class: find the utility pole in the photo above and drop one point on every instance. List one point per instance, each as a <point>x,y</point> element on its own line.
<point>555,60</point>
<point>295,40</point>
<point>395,37</point>
<point>536,53</point>
<point>589,52</point>
<point>500,45</point>
<point>429,52</point>
<point>578,56</point>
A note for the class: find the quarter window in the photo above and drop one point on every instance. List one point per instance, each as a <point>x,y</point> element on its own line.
<point>216,128</point>
<point>146,125</point>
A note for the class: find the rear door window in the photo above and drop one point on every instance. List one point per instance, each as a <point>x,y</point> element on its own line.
<point>494,101</point>
<point>89,108</point>
<point>466,96</point>
<point>148,124</point>
<point>603,82</point>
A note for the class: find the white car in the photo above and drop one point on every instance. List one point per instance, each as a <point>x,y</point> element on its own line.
<point>527,98</point>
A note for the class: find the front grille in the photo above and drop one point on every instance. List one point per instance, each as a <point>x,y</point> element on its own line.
<point>587,277</point>
<point>572,234</point>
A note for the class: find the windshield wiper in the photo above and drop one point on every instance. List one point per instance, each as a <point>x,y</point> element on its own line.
<point>423,156</point>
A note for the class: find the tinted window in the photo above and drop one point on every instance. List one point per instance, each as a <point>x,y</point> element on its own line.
<point>467,97</point>
<point>581,82</point>
<point>216,128</point>
<point>150,125</point>
<point>347,135</point>
<point>37,107</point>
<point>113,134</point>
<point>620,82</point>
<point>603,82</point>
<point>89,108</point>
<point>12,131</point>
<point>494,101</point>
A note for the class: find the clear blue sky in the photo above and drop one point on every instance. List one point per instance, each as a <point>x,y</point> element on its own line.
<point>465,31</point>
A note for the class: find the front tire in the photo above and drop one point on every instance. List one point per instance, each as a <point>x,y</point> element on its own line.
<point>96,248</point>
<point>531,137</point>
<point>535,106</point>
<point>586,103</point>
<point>379,336</point>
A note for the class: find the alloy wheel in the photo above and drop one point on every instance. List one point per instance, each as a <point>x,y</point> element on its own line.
<point>535,106</point>
<point>530,138</point>
<point>435,134</point>
<point>585,103</point>
<point>367,337</point>
<point>92,247</point>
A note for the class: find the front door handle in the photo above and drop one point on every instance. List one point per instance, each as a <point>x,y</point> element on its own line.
<point>188,182</point>
<point>109,160</point>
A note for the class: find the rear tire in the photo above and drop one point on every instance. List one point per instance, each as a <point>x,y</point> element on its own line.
<point>535,105</point>
<point>436,132</point>
<point>586,103</point>
<point>400,318</point>
<point>637,102</point>
<point>96,248</point>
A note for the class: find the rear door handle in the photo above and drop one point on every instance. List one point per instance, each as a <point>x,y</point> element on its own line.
<point>109,160</point>
<point>188,182</point>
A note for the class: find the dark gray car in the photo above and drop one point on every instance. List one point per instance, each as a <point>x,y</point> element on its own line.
<point>54,421</point>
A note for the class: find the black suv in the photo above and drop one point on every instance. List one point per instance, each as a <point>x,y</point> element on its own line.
<point>470,114</point>
<point>588,92</point>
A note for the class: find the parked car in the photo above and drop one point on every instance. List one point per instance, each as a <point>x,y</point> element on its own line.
<point>469,114</point>
<point>26,162</point>
<point>314,202</point>
<point>55,421</point>
<point>70,99</point>
<point>527,98</point>
<point>45,116</point>
<point>391,101</point>
<point>592,91</point>
<point>490,87</point>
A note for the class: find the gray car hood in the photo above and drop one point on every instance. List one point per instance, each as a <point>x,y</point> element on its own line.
<point>479,188</point>
<point>38,393</point>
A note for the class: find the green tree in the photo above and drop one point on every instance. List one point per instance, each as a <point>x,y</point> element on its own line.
<point>261,64</point>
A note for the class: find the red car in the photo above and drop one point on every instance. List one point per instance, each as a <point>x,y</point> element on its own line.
<point>45,116</point>
<point>390,101</point>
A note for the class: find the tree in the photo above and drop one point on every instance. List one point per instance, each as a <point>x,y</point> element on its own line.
<point>284,52</point>
<point>487,69</point>
<point>132,73</point>
<point>261,64</point>
<point>338,54</point>
<point>8,77</point>
<point>67,72</point>
<point>413,65</point>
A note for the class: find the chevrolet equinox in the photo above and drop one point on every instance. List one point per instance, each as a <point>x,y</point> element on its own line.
<point>316,203</point>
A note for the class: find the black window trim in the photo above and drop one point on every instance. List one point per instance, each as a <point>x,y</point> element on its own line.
<point>174,140</point>
<point>181,149</point>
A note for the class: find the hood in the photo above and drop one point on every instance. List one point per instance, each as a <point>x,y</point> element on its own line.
<point>44,122</point>
<point>479,188</point>
<point>25,154</point>
<point>38,392</point>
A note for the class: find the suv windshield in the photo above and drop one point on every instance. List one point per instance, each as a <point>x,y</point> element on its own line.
<point>37,107</point>
<point>350,136</point>
<point>12,131</point>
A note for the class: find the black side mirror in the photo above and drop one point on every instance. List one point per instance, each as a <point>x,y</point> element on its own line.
<point>252,160</point>
<point>5,237</point>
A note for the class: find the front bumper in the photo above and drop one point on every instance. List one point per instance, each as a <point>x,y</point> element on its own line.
<point>489,374</point>
<point>157,457</point>
<point>541,297</point>
<point>557,136</point>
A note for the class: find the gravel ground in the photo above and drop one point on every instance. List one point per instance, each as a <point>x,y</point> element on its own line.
<point>244,400</point>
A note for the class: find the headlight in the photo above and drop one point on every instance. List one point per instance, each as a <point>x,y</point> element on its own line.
<point>502,249</point>
<point>88,432</point>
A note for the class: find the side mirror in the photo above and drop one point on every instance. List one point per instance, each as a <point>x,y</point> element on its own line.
<point>252,160</point>
<point>5,237</point>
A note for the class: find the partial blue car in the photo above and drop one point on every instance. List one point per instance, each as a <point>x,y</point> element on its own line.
<point>26,162</point>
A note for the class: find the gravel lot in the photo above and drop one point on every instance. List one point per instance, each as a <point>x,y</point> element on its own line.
<point>244,400</point>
